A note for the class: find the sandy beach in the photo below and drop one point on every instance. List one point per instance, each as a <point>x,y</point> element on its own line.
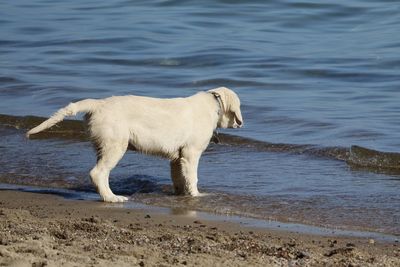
<point>311,179</point>
<point>47,230</point>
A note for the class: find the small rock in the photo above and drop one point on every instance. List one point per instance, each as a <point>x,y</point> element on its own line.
<point>4,242</point>
<point>242,254</point>
<point>332,243</point>
<point>197,222</point>
<point>371,241</point>
<point>210,237</point>
<point>342,251</point>
<point>39,264</point>
<point>292,242</point>
<point>147,217</point>
<point>302,255</point>
<point>141,264</point>
<point>91,220</point>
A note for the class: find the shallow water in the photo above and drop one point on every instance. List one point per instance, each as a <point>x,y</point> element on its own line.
<point>284,182</point>
<point>319,84</point>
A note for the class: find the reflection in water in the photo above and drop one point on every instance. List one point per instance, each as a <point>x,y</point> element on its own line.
<point>184,212</point>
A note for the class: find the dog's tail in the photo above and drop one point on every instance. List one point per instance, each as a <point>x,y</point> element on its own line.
<point>72,109</point>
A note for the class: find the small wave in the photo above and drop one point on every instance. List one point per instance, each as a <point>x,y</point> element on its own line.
<point>371,158</point>
<point>67,129</point>
<point>192,61</point>
<point>9,80</point>
<point>76,42</point>
<point>355,155</point>
<point>35,30</point>
<point>229,83</point>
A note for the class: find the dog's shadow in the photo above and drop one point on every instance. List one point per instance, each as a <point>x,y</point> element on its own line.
<point>139,185</point>
<point>130,185</point>
<point>143,184</point>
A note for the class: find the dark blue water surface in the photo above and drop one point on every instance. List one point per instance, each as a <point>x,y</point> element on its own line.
<point>308,73</point>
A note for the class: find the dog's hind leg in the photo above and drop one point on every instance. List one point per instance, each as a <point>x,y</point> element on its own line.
<point>177,176</point>
<point>108,157</point>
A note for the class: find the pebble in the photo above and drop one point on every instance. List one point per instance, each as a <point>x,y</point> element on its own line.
<point>39,264</point>
<point>147,216</point>
<point>332,243</point>
<point>371,241</point>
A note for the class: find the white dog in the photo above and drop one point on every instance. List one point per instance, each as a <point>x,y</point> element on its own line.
<point>179,129</point>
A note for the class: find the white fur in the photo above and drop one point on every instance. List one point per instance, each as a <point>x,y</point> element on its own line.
<point>177,128</point>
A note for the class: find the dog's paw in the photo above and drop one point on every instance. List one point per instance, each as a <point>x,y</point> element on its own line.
<point>115,199</point>
<point>194,193</point>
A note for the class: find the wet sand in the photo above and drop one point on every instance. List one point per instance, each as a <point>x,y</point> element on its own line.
<point>47,230</point>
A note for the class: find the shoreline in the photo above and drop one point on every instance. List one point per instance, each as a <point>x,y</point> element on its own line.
<point>268,225</point>
<point>246,221</point>
<point>46,230</point>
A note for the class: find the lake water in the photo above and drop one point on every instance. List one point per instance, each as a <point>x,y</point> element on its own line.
<point>319,84</point>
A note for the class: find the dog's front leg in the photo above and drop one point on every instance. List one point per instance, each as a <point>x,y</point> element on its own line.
<point>189,163</point>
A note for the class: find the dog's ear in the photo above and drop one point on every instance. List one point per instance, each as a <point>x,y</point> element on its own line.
<point>238,118</point>
<point>232,104</point>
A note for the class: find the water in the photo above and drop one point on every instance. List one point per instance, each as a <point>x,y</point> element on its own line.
<point>319,84</point>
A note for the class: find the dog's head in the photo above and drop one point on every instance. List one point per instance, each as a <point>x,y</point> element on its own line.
<point>231,116</point>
